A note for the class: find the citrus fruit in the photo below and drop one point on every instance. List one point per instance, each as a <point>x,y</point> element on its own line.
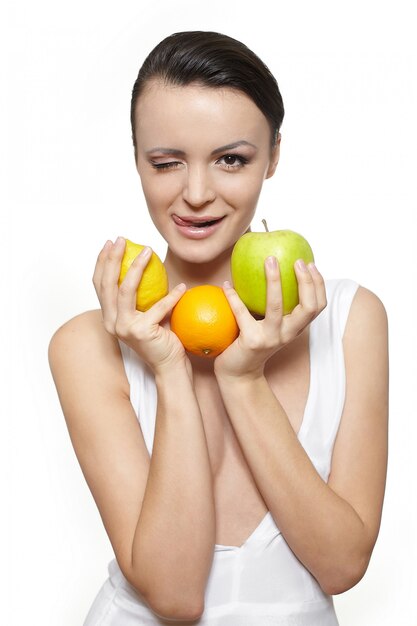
<point>154,282</point>
<point>203,321</point>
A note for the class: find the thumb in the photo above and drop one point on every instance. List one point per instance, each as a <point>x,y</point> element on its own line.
<point>160,309</point>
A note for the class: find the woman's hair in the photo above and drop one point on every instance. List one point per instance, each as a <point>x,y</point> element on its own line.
<point>215,60</point>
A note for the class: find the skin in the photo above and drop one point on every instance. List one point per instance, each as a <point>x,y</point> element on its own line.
<point>198,183</point>
<point>235,431</point>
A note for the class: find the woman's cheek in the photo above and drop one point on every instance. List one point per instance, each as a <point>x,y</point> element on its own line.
<point>159,194</point>
<point>243,192</point>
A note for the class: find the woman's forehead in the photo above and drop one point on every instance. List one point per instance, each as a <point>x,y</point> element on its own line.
<point>178,109</point>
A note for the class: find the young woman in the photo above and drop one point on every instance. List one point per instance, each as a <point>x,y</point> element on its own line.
<point>247,489</point>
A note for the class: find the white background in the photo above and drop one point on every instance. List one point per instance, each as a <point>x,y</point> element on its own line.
<point>346,180</point>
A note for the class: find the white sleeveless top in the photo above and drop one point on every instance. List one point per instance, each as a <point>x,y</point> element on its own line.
<point>260,583</point>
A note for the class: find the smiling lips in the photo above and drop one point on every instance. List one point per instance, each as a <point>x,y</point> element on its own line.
<point>195,227</point>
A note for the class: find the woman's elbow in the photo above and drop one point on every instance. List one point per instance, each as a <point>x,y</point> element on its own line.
<point>178,611</point>
<point>166,602</point>
<point>344,577</point>
<point>169,606</point>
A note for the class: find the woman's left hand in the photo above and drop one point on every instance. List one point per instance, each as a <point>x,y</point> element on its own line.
<point>260,339</point>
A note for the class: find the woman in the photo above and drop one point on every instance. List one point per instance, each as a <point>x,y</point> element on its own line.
<point>247,489</point>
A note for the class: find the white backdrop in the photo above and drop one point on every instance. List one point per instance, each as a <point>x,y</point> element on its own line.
<point>347,72</point>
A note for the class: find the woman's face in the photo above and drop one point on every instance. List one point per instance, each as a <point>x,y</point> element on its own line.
<point>202,156</point>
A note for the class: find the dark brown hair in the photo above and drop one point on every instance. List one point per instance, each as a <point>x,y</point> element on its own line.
<point>214,60</point>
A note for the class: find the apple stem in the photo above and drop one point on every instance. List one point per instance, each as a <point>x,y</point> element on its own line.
<point>265,225</point>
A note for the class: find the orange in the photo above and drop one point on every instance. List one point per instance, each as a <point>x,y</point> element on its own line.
<point>154,282</point>
<point>203,321</point>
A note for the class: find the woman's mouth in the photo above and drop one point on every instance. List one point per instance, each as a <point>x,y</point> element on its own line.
<point>197,227</point>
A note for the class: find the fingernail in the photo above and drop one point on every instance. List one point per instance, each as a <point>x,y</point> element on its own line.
<point>147,251</point>
<point>118,241</point>
<point>107,244</point>
<point>227,284</point>
<point>272,262</point>
<point>301,265</point>
<point>313,268</point>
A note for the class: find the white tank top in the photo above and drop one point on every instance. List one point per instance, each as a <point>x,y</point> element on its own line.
<point>260,583</point>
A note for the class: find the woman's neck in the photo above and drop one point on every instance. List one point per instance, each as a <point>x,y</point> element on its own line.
<point>210,273</point>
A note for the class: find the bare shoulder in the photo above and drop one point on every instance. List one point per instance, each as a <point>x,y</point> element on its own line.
<point>81,320</point>
<point>78,329</point>
<point>366,354</point>
<point>366,339</point>
<point>85,326</point>
<point>82,344</point>
<point>367,315</point>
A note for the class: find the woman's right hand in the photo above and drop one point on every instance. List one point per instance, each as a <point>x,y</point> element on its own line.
<point>156,344</point>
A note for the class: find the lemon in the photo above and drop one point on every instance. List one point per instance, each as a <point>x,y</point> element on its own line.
<point>154,282</point>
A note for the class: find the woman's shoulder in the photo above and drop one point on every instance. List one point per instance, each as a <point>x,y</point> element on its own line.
<point>80,322</point>
<point>357,313</point>
<point>82,344</point>
<point>351,305</point>
<point>73,334</point>
<point>358,299</point>
<point>367,317</point>
<point>85,325</point>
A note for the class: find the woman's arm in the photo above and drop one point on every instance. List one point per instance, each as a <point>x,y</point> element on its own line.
<point>174,540</point>
<point>157,510</point>
<point>332,528</point>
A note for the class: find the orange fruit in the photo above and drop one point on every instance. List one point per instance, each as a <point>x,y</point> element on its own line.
<point>154,282</point>
<point>203,321</point>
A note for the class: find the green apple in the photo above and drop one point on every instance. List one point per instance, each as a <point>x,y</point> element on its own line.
<point>248,271</point>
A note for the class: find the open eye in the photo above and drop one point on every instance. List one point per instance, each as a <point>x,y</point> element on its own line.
<point>232,161</point>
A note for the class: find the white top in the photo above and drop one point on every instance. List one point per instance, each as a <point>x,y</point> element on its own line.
<point>260,583</point>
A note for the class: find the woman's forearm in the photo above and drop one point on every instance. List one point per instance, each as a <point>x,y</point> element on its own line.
<point>175,536</point>
<point>322,529</point>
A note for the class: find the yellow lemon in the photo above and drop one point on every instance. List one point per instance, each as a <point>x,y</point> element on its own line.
<point>154,283</point>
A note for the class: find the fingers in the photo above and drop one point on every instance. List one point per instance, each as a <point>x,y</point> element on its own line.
<point>126,298</point>
<point>320,287</point>
<point>312,297</point>
<point>108,264</point>
<point>306,290</point>
<point>105,280</point>
<point>273,311</point>
<point>164,306</point>
<point>311,288</point>
<point>142,326</point>
<point>98,270</point>
<point>126,302</point>
<point>240,311</point>
<point>111,270</point>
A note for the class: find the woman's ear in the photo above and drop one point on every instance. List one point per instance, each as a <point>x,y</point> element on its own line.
<point>274,157</point>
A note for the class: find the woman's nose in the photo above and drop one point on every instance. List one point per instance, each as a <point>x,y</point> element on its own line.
<point>198,188</point>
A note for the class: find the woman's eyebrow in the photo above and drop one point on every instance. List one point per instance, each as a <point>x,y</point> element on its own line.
<point>178,152</point>
<point>232,146</point>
